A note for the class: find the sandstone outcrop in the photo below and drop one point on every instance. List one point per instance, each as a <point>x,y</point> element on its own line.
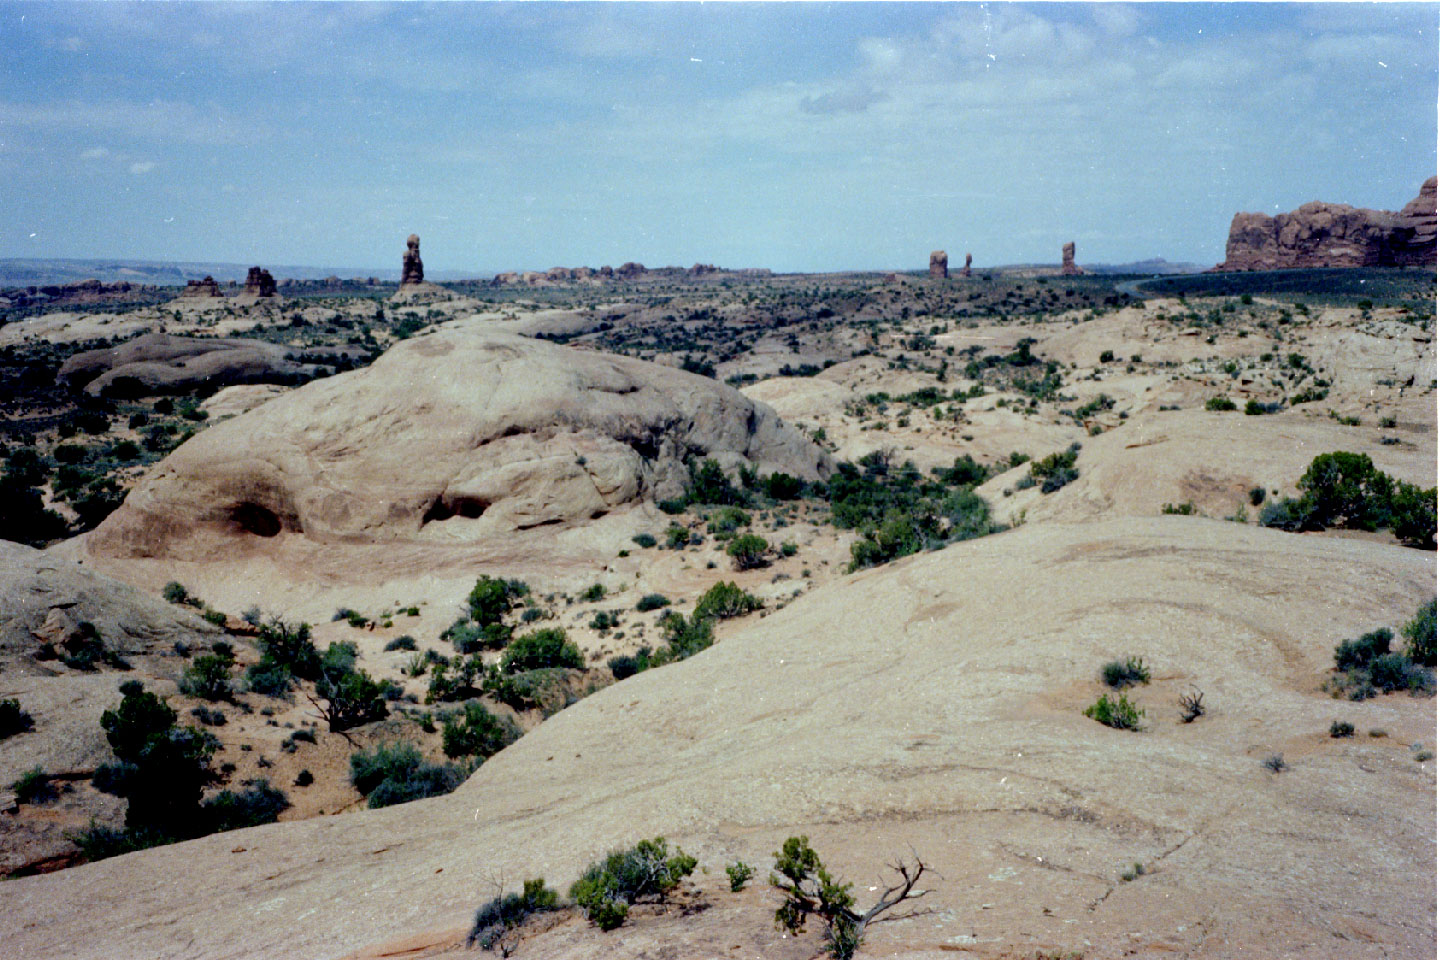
<point>490,430</point>
<point>630,270</point>
<point>201,289</point>
<point>259,283</point>
<point>1334,235</point>
<point>1067,261</point>
<point>966,272</point>
<point>158,363</point>
<point>412,271</point>
<point>939,264</point>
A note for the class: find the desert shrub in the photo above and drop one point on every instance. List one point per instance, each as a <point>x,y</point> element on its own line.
<point>723,601</point>
<point>545,689</point>
<point>490,599</point>
<point>1419,636</point>
<point>676,537</point>
<point>469,637</point>
<point>396,773</point>
<point>34,786</point>
<point>256,804</point>
<point>684,637</point>
<point>207,677</point>
<point>1412,515</point>
<point>1346,489</point>
<point>643,540</point>
<point>1119,713</point>
<point>504,913</point>
<point>1254,408</point>
<point>1192,706</point>
<point>652,601</point>
<point>1341,728</point>
<point>726,521</point>
<point>24,517</point>
<point>405,642</point>
<point>1359,652</point>
<point>1185,509</point>
<point>13,719</point>
<point>627,666</point>
<point>1275,763</point>
<point>646,871</point>
<point>304,778</point>
<point>604,621</point>
<point>161,769</point>
<point>543,648</point>
<point>739,873</point>
<point>289,647</point>
<point>268,679</point>
<point>1056,470</point>
<point>1393,672</point>
<point>1219,404</point>
<point>709,485</point>
<point>782,486</point>
<point>83,649</point>
<point>175,592</point>
<point>455,679</point>
<point>1129,672</point>
<point>593,593</point>
<point>209,717</point>
<point>477,733</point>
<point>350,696</point>
<point>214,617</point>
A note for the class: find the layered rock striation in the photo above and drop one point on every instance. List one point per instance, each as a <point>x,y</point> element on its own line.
<point>1335,235</point>
<point>158,363</point>
<point>259,283</point>
<point>460,435</point>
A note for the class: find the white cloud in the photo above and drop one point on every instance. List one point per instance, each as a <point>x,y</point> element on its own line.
<point>142,166</point>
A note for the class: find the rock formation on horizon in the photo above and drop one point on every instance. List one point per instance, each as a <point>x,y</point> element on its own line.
<point>1334,235</point>
<point>939,264</point>
<point>966,272</point>
<point>412,271</point>
<point>201,289</point>
<point>1067,261</point>
<point>259,283</point>
<point>496,431</point>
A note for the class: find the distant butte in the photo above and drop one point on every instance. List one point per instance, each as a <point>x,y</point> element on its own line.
<point>1335,235</point>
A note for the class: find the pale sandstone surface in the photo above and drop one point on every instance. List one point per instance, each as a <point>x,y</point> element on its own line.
<point>934,704</point>
<point>464,436</point>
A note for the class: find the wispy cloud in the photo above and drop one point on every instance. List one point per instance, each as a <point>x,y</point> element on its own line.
<point>142,166</point>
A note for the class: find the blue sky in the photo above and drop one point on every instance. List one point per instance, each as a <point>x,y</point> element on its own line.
<point>801,136</point>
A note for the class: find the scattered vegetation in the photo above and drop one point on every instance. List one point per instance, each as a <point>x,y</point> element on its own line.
<point>645,872</point>
<point>1117,712</point>
<point>1119,674</point>
<point>397,773</point>
<point>13,719</point>
<point>496,921</point>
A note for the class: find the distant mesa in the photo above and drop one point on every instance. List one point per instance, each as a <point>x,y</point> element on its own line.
<point>408,450</point>
<point>259,283</point>
<point>1335,235</point>
<point>966,271</point>
<point>630,272</point>
<point>1067,261</point>
<point>201,289</point>
<point>939,264</point>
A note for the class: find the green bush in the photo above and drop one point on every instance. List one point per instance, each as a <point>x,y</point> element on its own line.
<point>288,647</point>
<point>545,689</point>
<point>1219,404</point>
<point>1359,652</point>
<point>541,649</point>
<point>1056,470</point>
<point>469,637</point>
<point>175,592</point>
<point>652,601</point>
<point>739,873</point>
<point>14,720</point>
<point>1412,515</point>
<point>396,773</point>
<point>684,637</point>
<point>508,911</point>
<point>257,804</point>
<point>627,666</point>
<point>676,537</point>
<point>34,786</point>
<point>643,540</point>
<point>405,642</point>
<point>491,599</point>
<point>782,486</point>
<point>161,769</point>
<point>207,677</point>
<point>810,889</point>
<point>1254,408</point>
<point>1119,713</point>
<point>351,697</point>
<point>1419,637</point>
<point>709,485</point>
<point>645,872</point>
<point>1120,674</point>
<point>726,521</point>
<point>455,680</point>
<point>1345,489</point>
<point>723,601</point>
<point>747,551</point>
<point>477,733</point>
<point>1341,728</point>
